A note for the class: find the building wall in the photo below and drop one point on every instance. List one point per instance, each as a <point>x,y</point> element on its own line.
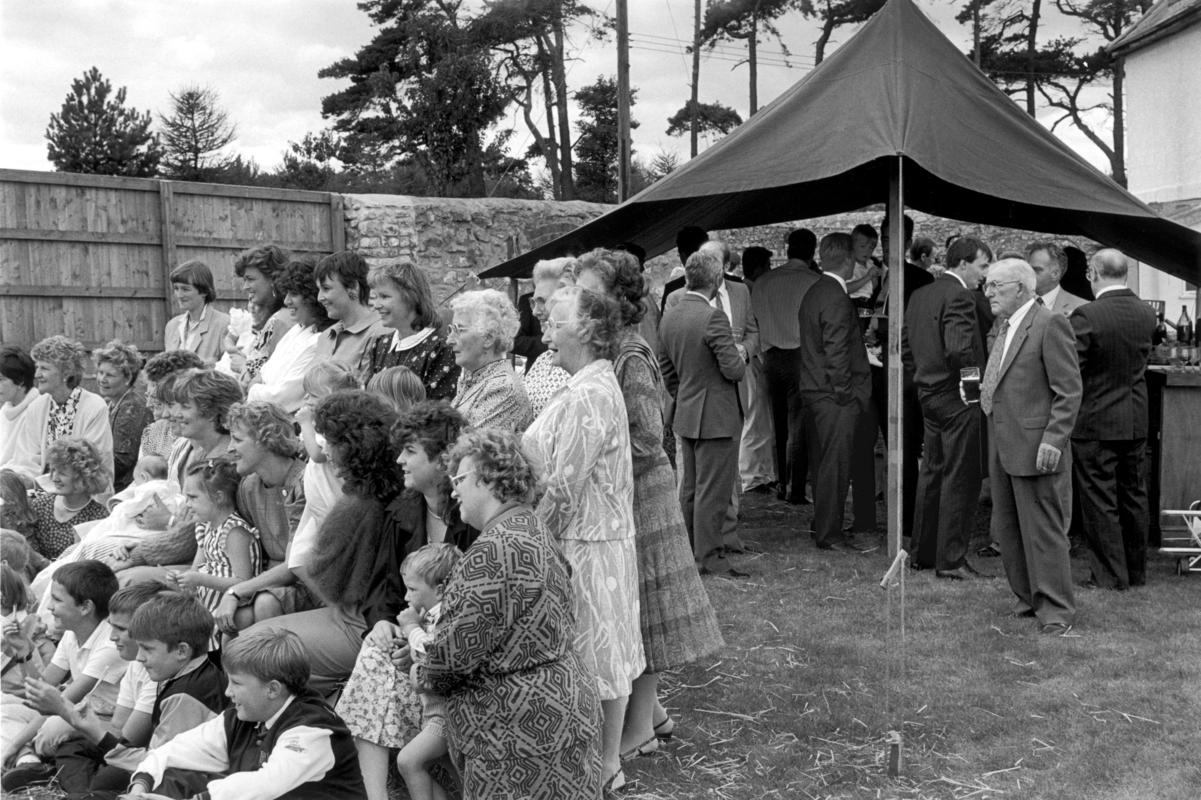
<point>1163,144</point>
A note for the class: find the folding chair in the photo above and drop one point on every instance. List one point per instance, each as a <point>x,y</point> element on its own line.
<point>1187,549</point>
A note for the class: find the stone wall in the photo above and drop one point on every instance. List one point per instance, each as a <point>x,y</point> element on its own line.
<point>453,239</point>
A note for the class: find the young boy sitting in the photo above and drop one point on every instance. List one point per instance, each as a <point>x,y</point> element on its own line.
<point>172,687</point>
<point>79,600</point>
<point>279,740</point>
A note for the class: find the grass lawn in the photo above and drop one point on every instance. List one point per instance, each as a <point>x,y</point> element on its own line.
<point>816,674</point>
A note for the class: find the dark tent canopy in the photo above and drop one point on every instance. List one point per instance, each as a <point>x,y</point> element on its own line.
<point>830,144</point>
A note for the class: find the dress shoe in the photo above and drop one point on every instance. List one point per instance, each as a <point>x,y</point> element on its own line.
<point>1055,629</point>
<point>990,550</point>
<point>729,572</point>
<point>957,574</point>
<point>35,774</point>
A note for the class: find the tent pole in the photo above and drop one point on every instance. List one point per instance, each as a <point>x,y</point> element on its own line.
<point>896,293</point>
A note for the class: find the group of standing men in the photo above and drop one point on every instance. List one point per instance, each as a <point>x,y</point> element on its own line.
<point>1006,374</point>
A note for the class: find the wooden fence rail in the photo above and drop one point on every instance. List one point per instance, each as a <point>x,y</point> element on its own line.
<point>89,256</point>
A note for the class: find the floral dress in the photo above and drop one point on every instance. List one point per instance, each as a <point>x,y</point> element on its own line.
<point>427,353</point>
<point>51,537</point>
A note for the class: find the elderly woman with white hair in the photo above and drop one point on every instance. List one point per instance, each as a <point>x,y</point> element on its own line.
<point>490,394</point>
<point>544,379</point>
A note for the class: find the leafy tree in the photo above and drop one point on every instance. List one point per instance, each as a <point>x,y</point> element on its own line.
<point>596,149</point>
<point>833,15</point>
<point>745,19</point>
<point>95,133</point>
<point>194,135</point>
<point>712,119</point>
<point>663,164</point>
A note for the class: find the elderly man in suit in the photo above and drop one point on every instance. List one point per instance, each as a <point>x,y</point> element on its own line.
<point>701,368</point>
<point>1050,262</point>
<point>836,394</point>
<point>1031,395</point>
<point>941,337</point>
<point>1109,443</point>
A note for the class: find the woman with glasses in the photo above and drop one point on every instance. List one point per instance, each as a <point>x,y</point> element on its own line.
<point>117,368</point>
<point>490,394</point>
<point>401,296</point>
<point>544,379</point>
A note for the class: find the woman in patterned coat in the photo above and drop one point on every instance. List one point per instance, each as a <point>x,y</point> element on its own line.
<point>678,623</point>
<point>401,296</point>
<point>522,712</point>
<point>581,445</point>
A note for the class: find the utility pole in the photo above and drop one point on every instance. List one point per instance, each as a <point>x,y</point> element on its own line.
<point>623,101</point>
<point>694,117</point>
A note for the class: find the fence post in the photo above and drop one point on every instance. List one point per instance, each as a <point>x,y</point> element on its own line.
<point>337,224</point>
<point>166,197</point>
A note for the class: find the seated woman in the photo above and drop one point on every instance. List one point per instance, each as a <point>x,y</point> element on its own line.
<point>424,513</point>
<point>201,327</point>
<point>117,368</point>
<point>266,453</point>
<point>77,471</point>
<point>159,436</point>
<point>258,268</point>
<point>17,394</point>
<point>281,378</point>
<point>490,394</point>
<point>63,409</point>
<point>544,379</point>
<point>523,715</point>
<point>402,298</point>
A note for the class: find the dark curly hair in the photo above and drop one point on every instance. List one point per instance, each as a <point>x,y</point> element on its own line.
<point>433,425</point>
<point>170,362</point>
<point>268,259</point>
<point>298,278</point>
<point>621,275</point>
<point>359,423</point>
<point>500,464</point>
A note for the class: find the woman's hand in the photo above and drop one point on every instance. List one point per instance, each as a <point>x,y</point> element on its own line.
<point>402,657</point>
<point>224,615</point>
<point>18,638</point>
<point>384,635</point>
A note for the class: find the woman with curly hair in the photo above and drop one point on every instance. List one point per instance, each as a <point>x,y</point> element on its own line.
<point>489,394</point>
<point>117,368</point>
<point>63,408</point>
<point>353,563</point>
<point>159,436</point>
<point>201,327</point>
<point>522,711</point>
<point>259,268</point>
<point>267,453</point>
<point>581,443</point>
<point>543,379</point>
<point>424,513</point>
<point>77,471</point>
<point>402,298</point>
<point>281,379</point>
<point>677,620</point>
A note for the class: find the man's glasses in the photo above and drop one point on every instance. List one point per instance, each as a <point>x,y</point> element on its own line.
<point>992,286</point>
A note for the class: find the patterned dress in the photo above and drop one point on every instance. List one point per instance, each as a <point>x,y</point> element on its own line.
<point>543,380</point>
<point>51,537</point>
<point>127,417</point>
<point>216,561</point>
<point>431,359</point>
<point>493,397</point>
<point>581,446</point>
<point>678,623</point>
<point>265,340</point>
<point>522,713</point>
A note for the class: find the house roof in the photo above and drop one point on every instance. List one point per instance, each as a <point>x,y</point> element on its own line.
<point>898,89</point>
<point>1161,20</point>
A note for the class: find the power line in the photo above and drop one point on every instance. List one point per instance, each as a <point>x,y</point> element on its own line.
<point>724,49</point>
<point>652,47</point>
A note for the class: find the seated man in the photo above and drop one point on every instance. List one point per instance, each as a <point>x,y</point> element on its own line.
<point>279,739</point>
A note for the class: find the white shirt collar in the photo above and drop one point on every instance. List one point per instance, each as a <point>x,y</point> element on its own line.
<point>1016,317</point>
<point>955,275</point>
<point>270,723</point>
<point>1050,297</point>
<point>841,282</point>
<point>410,341</point>
<point>699,294</point>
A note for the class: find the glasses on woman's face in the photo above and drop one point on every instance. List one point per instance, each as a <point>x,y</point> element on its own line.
<point>455,480</point>
<point>992,286</point>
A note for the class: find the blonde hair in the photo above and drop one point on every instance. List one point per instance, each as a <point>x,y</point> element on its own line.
<point>269,655</point>
<point>398,385</point>
<point>432,563</point>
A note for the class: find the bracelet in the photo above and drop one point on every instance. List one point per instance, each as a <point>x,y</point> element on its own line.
<point>26,659</point>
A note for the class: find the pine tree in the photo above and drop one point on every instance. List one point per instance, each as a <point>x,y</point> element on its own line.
<point>95,133</point>
<point>194,135</point>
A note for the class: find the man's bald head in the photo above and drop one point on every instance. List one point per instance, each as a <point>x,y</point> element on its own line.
<point>1110,265</point>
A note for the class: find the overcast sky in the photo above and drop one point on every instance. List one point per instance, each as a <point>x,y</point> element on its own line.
<point>262,58</point>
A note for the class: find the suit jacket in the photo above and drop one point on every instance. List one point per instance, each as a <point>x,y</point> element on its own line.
<point>528,341</point>
<point>742,318</point>
<point>1066,302</point>
<point>1113,340</point>
<point>212,334</point>
<point>941,336</point>
<point>701,369</point>
<point>1038,392</point>
<point>833,357</point>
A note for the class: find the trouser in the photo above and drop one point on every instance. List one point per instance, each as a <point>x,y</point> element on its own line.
<point>948,485</point>
<point>81,768</point>
<point>331,636</point>
<point>831,428</point>
<point>782,369</point>
<point>1111,479</point>
<point>709,468</point>
<point>756,455</point>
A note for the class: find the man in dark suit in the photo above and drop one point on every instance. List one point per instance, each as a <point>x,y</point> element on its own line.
<point>1031,395</point>
<point>776,302</point>
<point>1109,443</point>
<point>836,393</point>
<point>701,368</point>
<point>941,337</point>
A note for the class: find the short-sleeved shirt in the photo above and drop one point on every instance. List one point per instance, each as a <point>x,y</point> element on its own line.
<point>348,346</point>
<point>95,658</point>
<point>137,690</point>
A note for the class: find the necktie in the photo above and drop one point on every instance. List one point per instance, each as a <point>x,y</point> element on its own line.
<point>993,370</point>
<point>717,301</point>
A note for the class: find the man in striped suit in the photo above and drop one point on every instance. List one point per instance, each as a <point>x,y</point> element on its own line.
<point>1109,443</point>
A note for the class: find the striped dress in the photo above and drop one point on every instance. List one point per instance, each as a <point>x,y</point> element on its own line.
<point>211,541</point>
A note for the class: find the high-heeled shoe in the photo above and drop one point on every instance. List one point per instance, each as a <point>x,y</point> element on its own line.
<point>615,784</point>
<point>664,729</point>
<point>649,747</point>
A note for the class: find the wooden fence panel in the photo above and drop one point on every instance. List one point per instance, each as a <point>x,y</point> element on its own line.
<point>88,256</point>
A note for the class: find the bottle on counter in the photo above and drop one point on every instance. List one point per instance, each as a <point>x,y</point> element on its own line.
<point>1184,334</point>
<point>1160,335</point>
